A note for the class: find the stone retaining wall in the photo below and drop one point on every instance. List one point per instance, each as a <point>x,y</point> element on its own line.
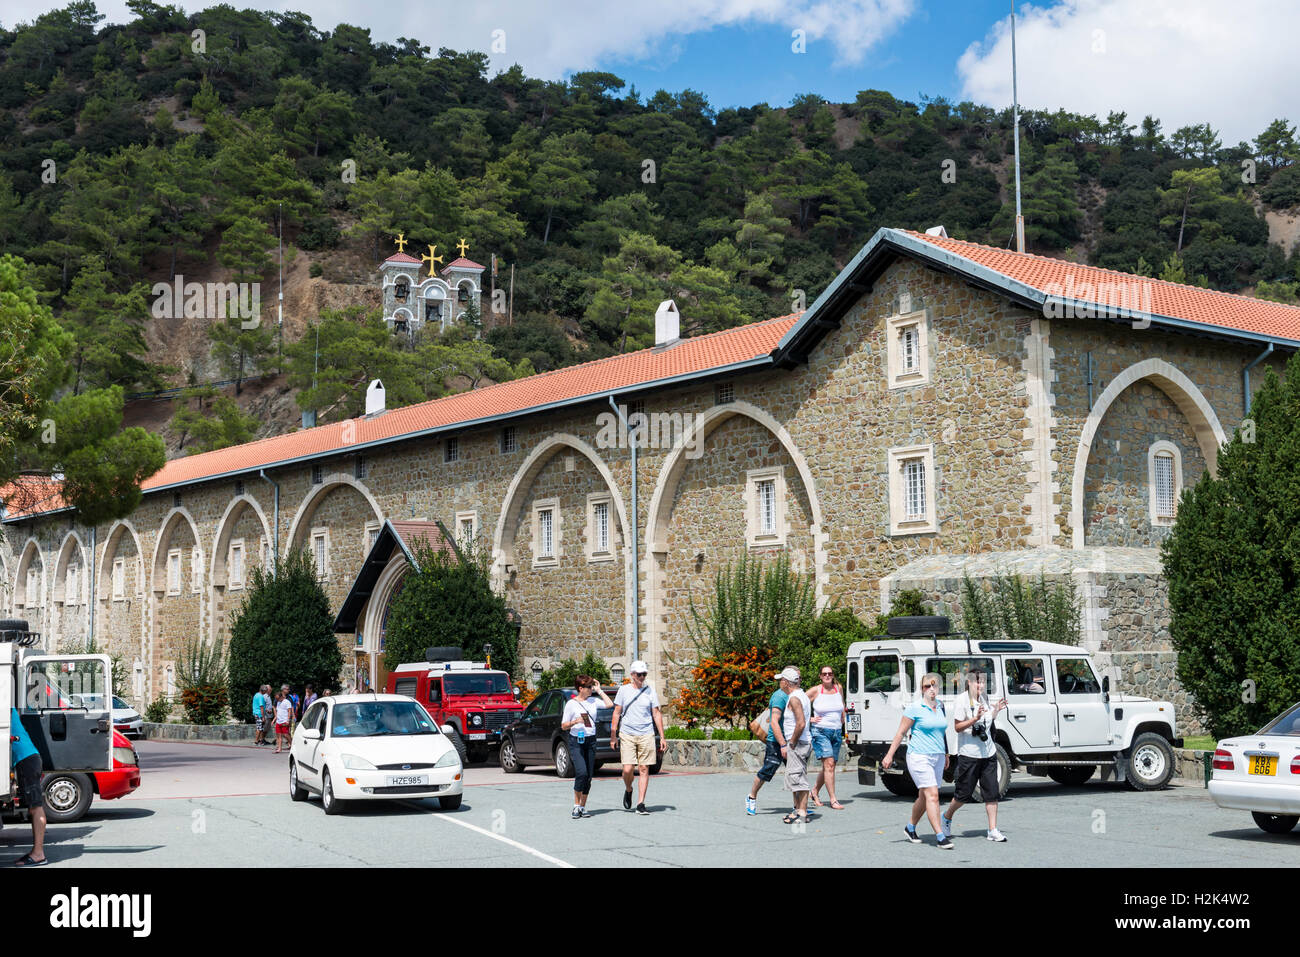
<point>719,755</point>
<point>232,733</point>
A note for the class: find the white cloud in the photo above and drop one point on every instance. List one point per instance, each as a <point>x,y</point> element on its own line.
<point>552,38</point>
<point>1183,61</point>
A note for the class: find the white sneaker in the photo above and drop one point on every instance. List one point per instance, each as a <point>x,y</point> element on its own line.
<point>997,836</point>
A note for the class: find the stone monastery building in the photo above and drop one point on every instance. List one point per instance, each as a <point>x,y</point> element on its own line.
<point>943,408</point>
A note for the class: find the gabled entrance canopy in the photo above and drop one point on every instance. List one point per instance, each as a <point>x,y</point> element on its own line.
<point>393,537</point>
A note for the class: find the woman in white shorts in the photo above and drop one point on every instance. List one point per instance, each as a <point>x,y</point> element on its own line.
<point>927,757</point>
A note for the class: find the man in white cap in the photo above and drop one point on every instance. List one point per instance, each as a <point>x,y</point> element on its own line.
<point>637,715</point>
<point>798,738</point>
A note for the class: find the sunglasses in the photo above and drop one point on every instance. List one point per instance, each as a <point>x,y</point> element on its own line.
<point>930,685</point>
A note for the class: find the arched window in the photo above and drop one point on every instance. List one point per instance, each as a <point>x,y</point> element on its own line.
<point>433,308</point>
<point>1165,481</point>
<point>401,290</point>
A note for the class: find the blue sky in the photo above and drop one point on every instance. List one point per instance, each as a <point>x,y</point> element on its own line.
<point>1184,61</point>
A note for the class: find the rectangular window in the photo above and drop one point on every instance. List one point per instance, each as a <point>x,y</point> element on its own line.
<point>466,531</point>
<point>914,489</point>
<point>953,672</point>
<point>600,515</point>
<point>320,552</point>
<point>767,507</point>
<point>196,570</point>
<point>236,565</point>
<point>451,450</point>
<point>909,348</point>
<point>508,439</point>
<point>372,536</point>
<point>239,488</point>
<point>546,533</point>
<point>1165,500</point>
<point>880,674</point>
<point>119,578</point>
<point>359,471</point>
<point>317,476</point>
<point>174,572</point>
<point>723,393</point>
<point>70,584</point>
<point>33,588</point>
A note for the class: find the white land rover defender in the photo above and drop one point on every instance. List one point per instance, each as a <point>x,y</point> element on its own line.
<point>1060,721</point>
<point>63,704</point>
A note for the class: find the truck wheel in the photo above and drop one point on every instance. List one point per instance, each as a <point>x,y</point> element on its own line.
<point>459,744</point>
<point>451,802</point>
<point>918,625</point>
<point>296,791</point>
<point>1004,775</point>
<point>507,757</point>
<point>1072,776</point>
<point>67,797</point>
<point>1150,762</point>
<point>563,763</point>
<point>329,802</point>
<point>1275,823</point>
<point>900,785</point>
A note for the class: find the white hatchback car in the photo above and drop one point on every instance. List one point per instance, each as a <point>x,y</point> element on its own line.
<point>372,747</point>
<point>1260,773</point>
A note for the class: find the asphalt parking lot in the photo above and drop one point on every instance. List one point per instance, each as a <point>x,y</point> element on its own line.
<point>212,805</point>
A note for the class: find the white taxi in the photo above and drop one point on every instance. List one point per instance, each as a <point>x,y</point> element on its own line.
<point>1260,773</point>
<point>366,747</point>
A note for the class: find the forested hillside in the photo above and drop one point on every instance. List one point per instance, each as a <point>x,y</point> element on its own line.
<point>178,144</point>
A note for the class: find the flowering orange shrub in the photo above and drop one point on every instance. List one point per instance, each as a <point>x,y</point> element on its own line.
<point>733,688</point>
<point>526,693</point>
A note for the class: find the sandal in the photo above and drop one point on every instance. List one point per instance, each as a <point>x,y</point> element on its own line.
<point>790,818</point>
<point>26,861</point>
<point>835,805</point>
<point>817,802</point>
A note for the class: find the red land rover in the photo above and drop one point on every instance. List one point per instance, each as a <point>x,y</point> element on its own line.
<point>472,698</point>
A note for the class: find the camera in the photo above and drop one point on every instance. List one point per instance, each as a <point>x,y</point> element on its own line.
<point>981,731</point>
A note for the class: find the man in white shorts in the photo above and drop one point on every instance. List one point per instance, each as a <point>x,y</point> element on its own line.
<point>636,717</point>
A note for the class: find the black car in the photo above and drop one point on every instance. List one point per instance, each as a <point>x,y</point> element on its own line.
<point>536,739</point>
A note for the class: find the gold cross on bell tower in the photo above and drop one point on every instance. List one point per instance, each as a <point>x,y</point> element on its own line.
<point>431,258</point>
<point>462,247</point>
<point>400,242</point>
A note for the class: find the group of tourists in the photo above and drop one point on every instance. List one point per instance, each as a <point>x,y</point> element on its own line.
<point>800,726</point>
<point>279,713</point>
<point>637,716</point>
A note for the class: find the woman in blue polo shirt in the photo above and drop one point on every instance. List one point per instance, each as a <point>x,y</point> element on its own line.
<point>26,762</point>
<point>927,756</point>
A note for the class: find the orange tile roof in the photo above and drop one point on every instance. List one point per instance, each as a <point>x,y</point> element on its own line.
<point>461,263</point>
<point>699,354</point>
<point>31,495</point>
<point>428,533</point>
<point>402,258</point>
<point>1170,299</point>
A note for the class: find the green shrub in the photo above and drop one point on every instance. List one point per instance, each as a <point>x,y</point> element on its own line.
<point>731,734</point>
<point>282,632</point>
<point>448,600</point>
<point>316,270</point>
<point>565,674</point>
<point>678,733</point>
<point>812,644</point>
<point>1013,609</point>
<point>750,606</point>
<point>1232,562</point>
<point>203,680</point>
<point>159,710</point>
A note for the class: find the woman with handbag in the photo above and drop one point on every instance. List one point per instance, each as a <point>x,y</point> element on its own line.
<point>579,720</point>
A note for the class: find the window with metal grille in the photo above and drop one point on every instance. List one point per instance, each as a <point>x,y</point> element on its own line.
<point>451,450</point>
<point>914,488</point>
<point>767,507</point>
<point>908,348</point>
<point>317,475</point>
<point>466,531</point>
<point>508,439</point>
<point>360,470</point>
<point>176,500</point>
<point>1166,497</point>
<point>600,519</point>
<point>546,533</point>
<point>239,488</point>
<point>320,553</point>
<point>723,393</point>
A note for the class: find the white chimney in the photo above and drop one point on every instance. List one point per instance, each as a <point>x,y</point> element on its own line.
<point>375,398</point>
<point>937,231</point>
<point>668,323</point>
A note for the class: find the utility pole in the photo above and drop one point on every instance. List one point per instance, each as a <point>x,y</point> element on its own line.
<point>279,309</point>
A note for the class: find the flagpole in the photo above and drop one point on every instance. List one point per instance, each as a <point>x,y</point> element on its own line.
<point>1015,108</point>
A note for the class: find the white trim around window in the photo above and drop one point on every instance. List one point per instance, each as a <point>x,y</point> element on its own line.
<point>466,527</point>
<point>174,571</point>
<point>196,570</point>
<point>119,579</point>
<point>765,525</point>
<point>912,487</point>
<point>1164,482</point>
<point>320,552</point>
<point>908,349</point>
<point>236,564</point>
<point>369,536</point>
<point>546,533</point>
<point>600,533</point>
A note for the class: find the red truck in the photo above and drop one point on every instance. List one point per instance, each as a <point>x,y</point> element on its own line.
<point>475,700</point>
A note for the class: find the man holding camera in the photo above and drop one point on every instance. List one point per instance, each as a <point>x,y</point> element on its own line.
<point>977,760</point>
